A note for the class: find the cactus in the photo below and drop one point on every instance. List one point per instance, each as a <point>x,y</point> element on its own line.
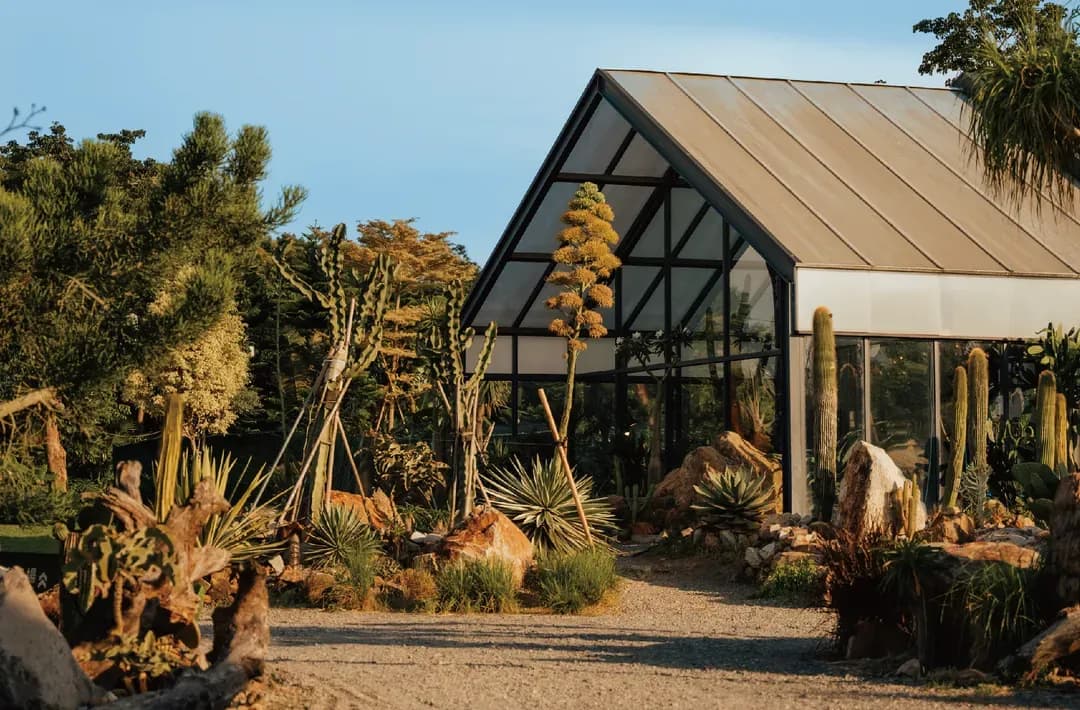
<point>354,346</point>
<point>444,352</point>
<point>914,497</point>
<point>959,429</point>
<point>979,393</point>
<point>168,463</point>
<point>1061,437</point>
<point>825,411</point>
<point>1046,414</point>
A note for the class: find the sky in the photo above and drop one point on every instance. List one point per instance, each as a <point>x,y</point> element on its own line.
<point>439,111</point>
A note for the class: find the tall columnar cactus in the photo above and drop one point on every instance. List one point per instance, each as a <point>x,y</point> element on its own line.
<point>168,463</point>
<point>1061,436</point>
<point>959,431</point>
<point>979,393</point>
<point>445,352</point>
<point>354,346</point>
<point>1046,414</point>
<point>825,411</point>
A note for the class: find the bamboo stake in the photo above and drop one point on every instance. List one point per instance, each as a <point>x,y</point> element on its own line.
<point>352,461</point>
<point>561,446</point>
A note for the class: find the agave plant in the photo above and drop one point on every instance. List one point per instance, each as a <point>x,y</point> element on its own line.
<point>341,539</point>
<point>540,501</point>
<point>735,499</point>
<point>246,528</point>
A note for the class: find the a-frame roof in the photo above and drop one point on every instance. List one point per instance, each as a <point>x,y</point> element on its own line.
<point>819,175</point>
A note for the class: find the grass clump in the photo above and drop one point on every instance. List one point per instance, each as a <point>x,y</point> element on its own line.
<point>567,582</point>
<point>800,581</point>
<point>411,590</point>
<point>476,585</point>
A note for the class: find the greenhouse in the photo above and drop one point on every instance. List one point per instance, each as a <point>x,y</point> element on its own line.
<point>742,205</point>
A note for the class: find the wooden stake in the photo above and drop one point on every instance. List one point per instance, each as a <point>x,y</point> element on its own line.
<point>352,461</point>
<point>561,446</point>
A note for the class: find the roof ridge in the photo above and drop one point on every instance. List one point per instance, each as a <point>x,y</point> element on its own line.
<point>780,79</point>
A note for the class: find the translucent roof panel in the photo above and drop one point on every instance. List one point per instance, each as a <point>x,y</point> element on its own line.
<point>686,202</point>
<point>686,285</point>
<point>599,142</point>
<point>626,202</point>
<point>641,159</point>
<point>540,315</point>
<point>511,290</point>
<point>540,234</point>
<point>707,241</point>
<point>651,316</point>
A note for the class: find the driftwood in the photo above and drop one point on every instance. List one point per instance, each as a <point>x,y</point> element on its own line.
<point>241,638</point>
<point>1058,642</point>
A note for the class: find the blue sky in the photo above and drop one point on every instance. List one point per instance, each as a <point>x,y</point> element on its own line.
<point>441,111</point>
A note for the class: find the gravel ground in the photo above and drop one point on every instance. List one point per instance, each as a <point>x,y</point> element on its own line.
<point>678,637</point>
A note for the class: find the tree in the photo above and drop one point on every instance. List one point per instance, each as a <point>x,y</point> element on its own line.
<point>1005,23</point>
<point>426,264</point>
<point>1021,67</point>
<point>585,261</point>
<point>88,237</point>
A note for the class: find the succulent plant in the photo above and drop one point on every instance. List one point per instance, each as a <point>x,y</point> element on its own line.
<point>340,538</point>
<point>734,499</point>
<point>825,412</point>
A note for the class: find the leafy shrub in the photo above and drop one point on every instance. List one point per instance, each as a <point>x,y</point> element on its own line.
<point>342,539</point>
<point>27,498</point>
<point>426,519</point>
<point>854,571</point>
<point>800,581</point>
<point>408,472</point>
<point>541,503</point>
<point>567,582</point>
<point>476,585</point>
<point>736,499</point>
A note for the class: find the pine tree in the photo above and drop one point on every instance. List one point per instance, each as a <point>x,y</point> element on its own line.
<point>585,261</point>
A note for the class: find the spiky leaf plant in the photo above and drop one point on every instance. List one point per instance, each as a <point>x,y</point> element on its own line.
<point>541,502</point>
<point>340,538</point>
<point>735,499</point>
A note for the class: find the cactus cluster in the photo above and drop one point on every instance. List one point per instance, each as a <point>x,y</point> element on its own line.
<point>444,351</point>
<point>1046,413</point>
<point>825,412</point>
<point>959,432</point>
<point>979,379</point>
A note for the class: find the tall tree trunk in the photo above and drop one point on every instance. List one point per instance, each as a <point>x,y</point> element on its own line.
<point>571,371</point>
<point>57,456</point>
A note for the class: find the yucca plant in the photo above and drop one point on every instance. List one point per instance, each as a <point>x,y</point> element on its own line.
<point>341,539</point>
<point>246,528</point>
<point>735,499</point>
<point>541,502</point>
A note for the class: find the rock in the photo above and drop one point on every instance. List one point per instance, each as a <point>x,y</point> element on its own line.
<point>1007,552</point>
<point>866,493</point>
<point>766,553</point>
<point>426,539</point>
<point>277,565</point>
<point>790,557</point>
<point>1059,641</point>
<point>752,557</point>
<point>711,541</point>
<point>643,528</point>
<point>911,668</point>
<point>618,506</point>
<point>36,665</point>
<point>728,540</point>
<point>645,539</point>
<point>377,510</point>
<point>1022,521</point>
<point>822,529</point>
<point>952,527</point>
<point>873,639</point>
<point>50,604</point>
<point>316,585</point>
<point>488,534</point>
<point>671,501</point>
<point>1065,542</point>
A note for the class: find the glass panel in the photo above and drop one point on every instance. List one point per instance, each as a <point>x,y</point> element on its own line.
<point>508,294</point>
<point>540,315</point>
<point>592,422</point>
<point>707,240</point>
<point>635,279</point>
<point>702,406</point>
<point>754,412</point>
<point>707,325</point>
<point>596,147</point>
<point>641,159</point>
<point>626,202</point>
<point>686,285</point>
<point>651,242</point>
<point>541,232</point>
<point>753,313</point>
<point>685,204</point>
<point>651,316</point>
<point>541,355</point>
<point>900,391</point>
<point>641,443</point>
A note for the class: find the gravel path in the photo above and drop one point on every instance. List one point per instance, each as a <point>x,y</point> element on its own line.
<point>678,637</point>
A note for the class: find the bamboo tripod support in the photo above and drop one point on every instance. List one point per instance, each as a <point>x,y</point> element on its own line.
<point>561,446</point>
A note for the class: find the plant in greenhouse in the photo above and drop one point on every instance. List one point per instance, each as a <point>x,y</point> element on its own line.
<point>826,397</point>
<point>584,262</point>
<point>541,502</point>
<point>734,499</point>
<point>341,538</point>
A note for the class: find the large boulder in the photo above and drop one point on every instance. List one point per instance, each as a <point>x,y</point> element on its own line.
<point>488,534</point>
<point>671,501</point>
<point>865,503</point>
<point>36,665</point>
<point>377,510</point>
